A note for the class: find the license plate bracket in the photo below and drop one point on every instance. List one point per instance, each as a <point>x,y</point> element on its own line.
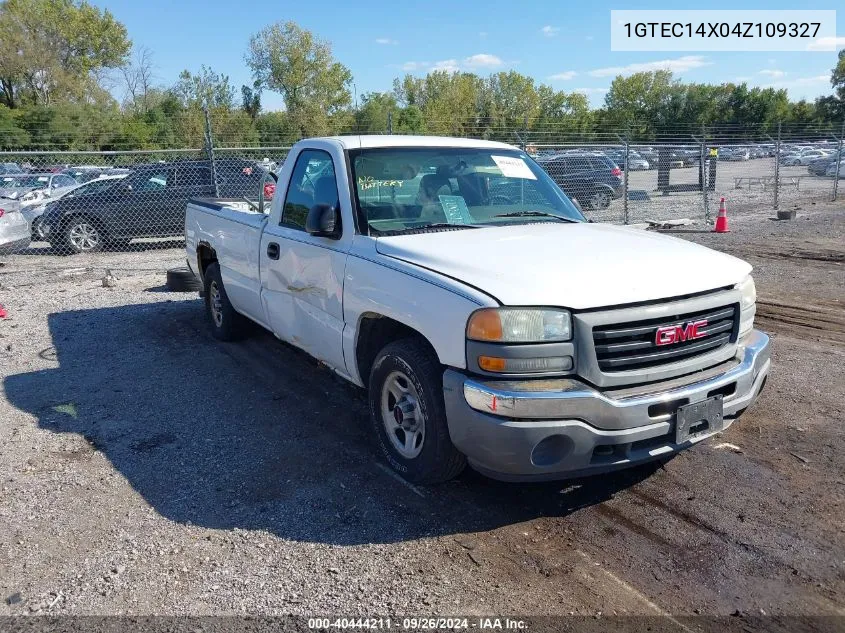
<point>695,420</point>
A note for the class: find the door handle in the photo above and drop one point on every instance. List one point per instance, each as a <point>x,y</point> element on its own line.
<point>273,250</point>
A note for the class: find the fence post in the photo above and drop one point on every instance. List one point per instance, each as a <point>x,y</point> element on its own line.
<point>777,169</point>
<point>390,122</point>
<point>703,173</point>
<point>209,147</point>
<point>838,163</point>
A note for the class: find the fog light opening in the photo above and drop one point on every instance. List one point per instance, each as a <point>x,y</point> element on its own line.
<point>551,450</point>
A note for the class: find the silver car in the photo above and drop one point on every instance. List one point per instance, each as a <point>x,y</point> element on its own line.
<point>34,188</point>
<point>14,229</point>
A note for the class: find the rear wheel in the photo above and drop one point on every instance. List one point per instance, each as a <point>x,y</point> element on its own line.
<point>408,414</point>
<point>226,323</point>
<point>81,235</point>
<point>600,199</point>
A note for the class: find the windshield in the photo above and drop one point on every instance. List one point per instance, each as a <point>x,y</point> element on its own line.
<point>95,186</point>
<point>404,189</point>
<point>26,182</point>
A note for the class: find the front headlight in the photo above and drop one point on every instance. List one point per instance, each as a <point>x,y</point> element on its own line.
<point>747,305</point>
<point>519,325</point>
<point>748,292</point>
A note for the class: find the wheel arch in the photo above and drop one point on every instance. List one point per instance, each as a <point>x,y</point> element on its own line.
<point>374,332</point>
<point>206,255</point>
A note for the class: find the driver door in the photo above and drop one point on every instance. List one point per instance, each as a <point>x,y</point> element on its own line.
<point>302,275</point>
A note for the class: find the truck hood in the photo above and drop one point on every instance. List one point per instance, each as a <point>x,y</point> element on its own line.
<point>576,266</point>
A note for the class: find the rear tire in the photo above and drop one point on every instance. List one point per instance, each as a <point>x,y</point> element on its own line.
<point>183,280</point>
<point>80,234</point>
<point>408,414</point>
<point>226,323</point>
<point>600,200</point>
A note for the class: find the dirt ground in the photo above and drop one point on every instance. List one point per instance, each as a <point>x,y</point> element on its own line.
<point>147,469</point>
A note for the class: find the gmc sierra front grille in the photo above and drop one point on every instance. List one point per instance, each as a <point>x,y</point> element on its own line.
<point>639,344</point>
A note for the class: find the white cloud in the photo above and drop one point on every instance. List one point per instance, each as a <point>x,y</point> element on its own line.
<point>826,44</point>
<point>449,65</point>
<point>773,73</point>
<point>482,60</point>
<point>678,65</point>
<point>385,40</point>
<point>549,30</point>
<point>564,76</point>
<point>591,91</point>
<point>817,79</point>
<point>414,66</point>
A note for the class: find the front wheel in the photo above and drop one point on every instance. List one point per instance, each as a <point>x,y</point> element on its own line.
<point>408,413</point>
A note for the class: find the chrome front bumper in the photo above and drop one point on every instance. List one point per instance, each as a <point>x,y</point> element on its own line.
<point>546,429</point>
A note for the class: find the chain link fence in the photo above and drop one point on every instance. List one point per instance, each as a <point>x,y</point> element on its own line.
<point>60,203</point>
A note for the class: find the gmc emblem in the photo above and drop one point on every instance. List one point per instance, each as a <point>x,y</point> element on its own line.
<point>670,334</point>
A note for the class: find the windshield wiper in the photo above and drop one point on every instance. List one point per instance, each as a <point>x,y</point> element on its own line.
<point>442,225</point>
<point>533,214</point>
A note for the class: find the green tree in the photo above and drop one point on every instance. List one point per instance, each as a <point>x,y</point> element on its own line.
<point>51,49</point>
<point>292,61</point>
<point>373,113</point>
<point>12,136</point>
<point>837,76</point>
<point>205,89</point>
<point>251,100</point>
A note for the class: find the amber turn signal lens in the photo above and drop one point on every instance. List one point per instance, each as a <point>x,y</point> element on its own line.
<point>491,363</point>
<point>485,325</point>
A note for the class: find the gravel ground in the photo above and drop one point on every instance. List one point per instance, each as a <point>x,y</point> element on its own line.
<point>147,469</point>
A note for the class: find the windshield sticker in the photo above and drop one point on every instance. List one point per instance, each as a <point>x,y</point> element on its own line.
<point>455,208</point>
<point>512,167</point>
<point>368,182</point>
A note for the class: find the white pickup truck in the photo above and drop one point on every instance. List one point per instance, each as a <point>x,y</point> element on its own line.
<point>488,320</point>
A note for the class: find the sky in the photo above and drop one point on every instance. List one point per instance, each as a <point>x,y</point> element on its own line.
<point>563,44</point>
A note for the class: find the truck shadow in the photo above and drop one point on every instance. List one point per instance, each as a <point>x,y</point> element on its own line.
<point>252,435</point>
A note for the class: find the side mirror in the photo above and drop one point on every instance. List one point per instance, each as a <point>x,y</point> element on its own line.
<point>128,188</point>
<point>323,221</point>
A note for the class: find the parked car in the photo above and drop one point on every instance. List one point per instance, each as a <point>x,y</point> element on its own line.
<point>33,213</point>
<point>511,335</point>
<point>804,158</point>
<point>34,188</point>
<point>635,161</point>
<point>831,170</point>
<point>10,168</point>
<point>734,153</point>
<point>14,229</point>
<point>88,173</point>
<point>818,167</point>
<point>149,202</point>
<point>595,181</point>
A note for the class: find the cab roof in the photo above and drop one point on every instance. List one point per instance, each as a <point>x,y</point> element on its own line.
<point>398,140</point>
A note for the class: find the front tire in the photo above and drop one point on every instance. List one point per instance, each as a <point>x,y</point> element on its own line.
<point>408,414</point>
<point>226,324</point>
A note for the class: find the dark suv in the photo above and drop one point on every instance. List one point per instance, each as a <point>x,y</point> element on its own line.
<point>149,202</point>
<point>591,179</point>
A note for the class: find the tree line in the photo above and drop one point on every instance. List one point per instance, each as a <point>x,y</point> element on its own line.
<point>61,62</point>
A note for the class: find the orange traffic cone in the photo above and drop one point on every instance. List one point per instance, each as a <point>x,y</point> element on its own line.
<point>722,219</point>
